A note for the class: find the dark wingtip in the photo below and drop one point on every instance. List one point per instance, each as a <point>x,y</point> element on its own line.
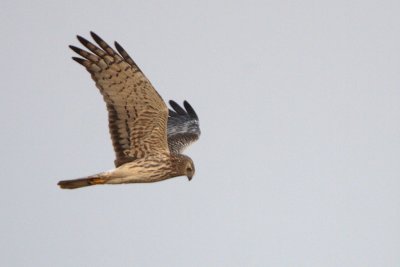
<point>79,60</point>
<point>171,113</point>
<point>119,47</point>
<point>96,37</point>
<point>82,40</point>
<point>178,109</point>
<point>190,110</point>
<point>75,49</point>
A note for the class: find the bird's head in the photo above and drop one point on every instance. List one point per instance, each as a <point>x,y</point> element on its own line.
<point>189,169</point>
<point>184,166</point>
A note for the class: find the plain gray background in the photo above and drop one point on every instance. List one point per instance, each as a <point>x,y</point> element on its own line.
<point>298,164</point>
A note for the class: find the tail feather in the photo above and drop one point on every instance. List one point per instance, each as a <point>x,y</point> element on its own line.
<point>82,182</point>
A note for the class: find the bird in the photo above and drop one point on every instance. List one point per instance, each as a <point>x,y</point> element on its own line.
<point>147,136</point>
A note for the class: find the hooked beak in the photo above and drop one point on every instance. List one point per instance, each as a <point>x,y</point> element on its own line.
<point>189,177</point>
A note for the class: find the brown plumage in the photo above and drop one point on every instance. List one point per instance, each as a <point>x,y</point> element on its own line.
<point>137,121</point>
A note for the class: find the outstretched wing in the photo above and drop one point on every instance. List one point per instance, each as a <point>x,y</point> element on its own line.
<point>136,112</point>
<point>183,127</point>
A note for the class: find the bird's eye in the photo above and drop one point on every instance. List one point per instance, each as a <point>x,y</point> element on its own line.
<point>188,169</point>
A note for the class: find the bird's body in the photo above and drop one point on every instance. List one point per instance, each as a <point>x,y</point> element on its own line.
<point>147,137</point>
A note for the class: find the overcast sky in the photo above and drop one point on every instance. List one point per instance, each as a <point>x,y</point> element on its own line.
<point>297,165</point>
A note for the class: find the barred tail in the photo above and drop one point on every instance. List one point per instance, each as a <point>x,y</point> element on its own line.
<point>82,182</point>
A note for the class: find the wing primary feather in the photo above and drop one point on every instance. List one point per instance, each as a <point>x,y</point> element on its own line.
<point>85,54</point>
<point>190,110</point>
<point>90,46</point>
<point>177,108</point>
<point>125,55</point>
<point>102,44</point>
<point>172,113</point>
<point>80,60</point>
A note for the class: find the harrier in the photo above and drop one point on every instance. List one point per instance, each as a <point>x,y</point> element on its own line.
<point>148,138</point>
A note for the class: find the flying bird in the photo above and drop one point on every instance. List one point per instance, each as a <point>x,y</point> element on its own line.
<point>148,138</point>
